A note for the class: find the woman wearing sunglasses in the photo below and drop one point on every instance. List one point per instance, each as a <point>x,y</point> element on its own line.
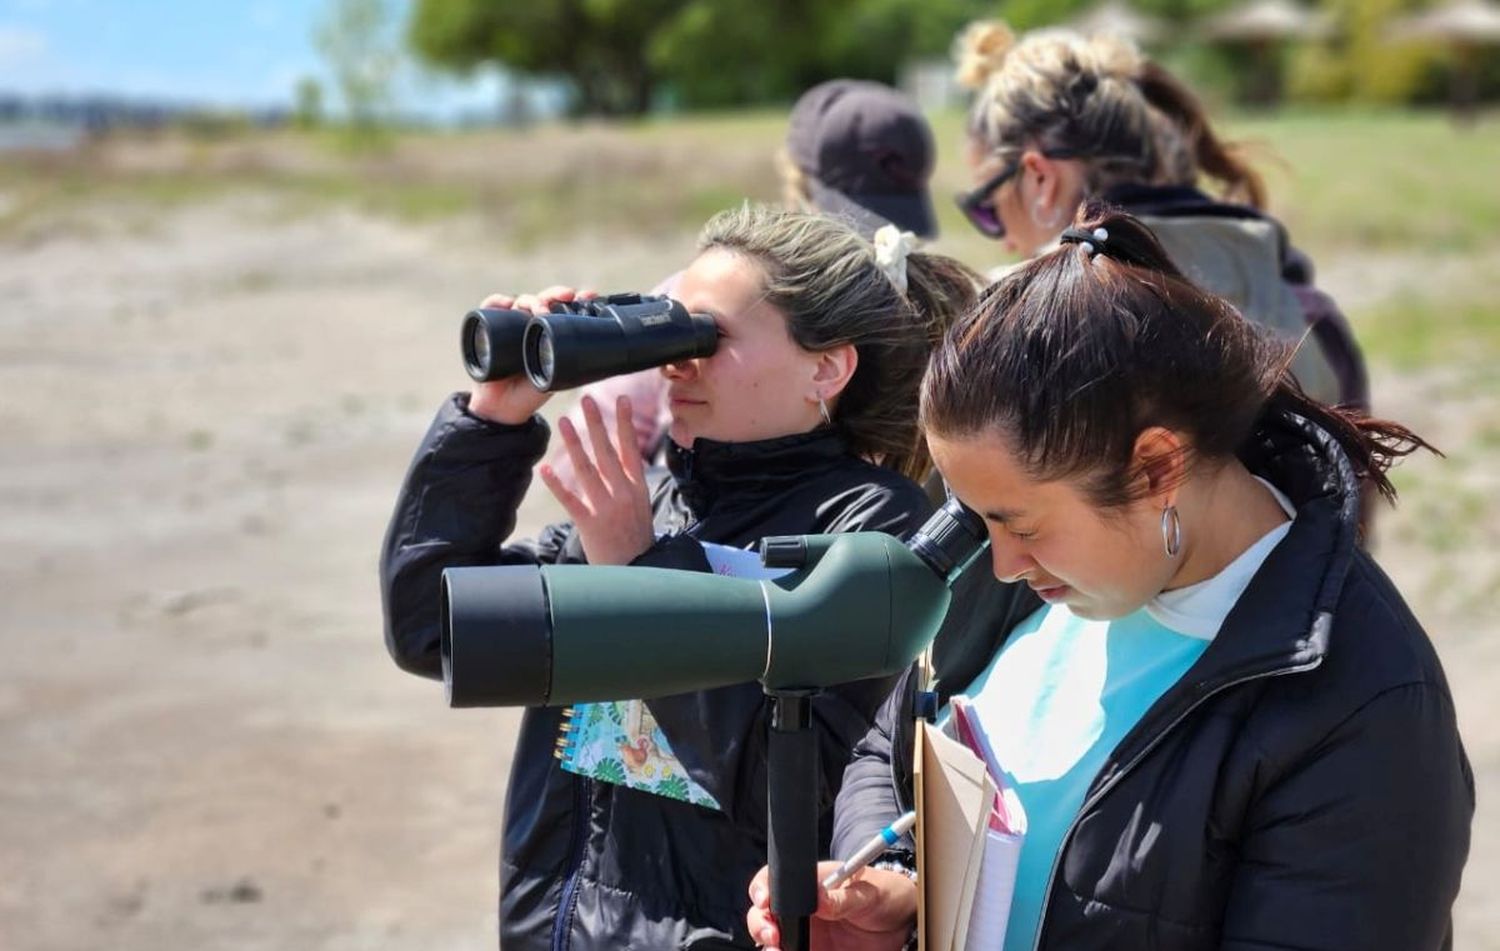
<point>1059,118</point>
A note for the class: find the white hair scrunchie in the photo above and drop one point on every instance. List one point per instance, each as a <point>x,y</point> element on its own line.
<point>892,246</point>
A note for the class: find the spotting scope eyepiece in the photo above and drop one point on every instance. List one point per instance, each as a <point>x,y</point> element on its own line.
<point>855,606</point>
<point>949,540</point>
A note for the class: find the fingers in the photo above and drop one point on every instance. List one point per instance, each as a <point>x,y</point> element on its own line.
<point>538,303</point>
<point>758,920</point>
<point>570,502</point>
<point>849,900</point>
<point>760,888</point>
<point>763,928</point>
<point>630,456</point>
<point>584,469</point>
<point>541,302</point>
<point>873,900</point>
<point>606,455</point>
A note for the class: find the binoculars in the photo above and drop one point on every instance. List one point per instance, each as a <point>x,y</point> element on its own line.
<point>580,342</point>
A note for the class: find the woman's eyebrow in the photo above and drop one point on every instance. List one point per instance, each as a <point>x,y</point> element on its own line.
<point>1004,516</point>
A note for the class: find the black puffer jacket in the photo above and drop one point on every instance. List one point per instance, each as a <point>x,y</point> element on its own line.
<point>588,865</point>
<point>1302,786</point>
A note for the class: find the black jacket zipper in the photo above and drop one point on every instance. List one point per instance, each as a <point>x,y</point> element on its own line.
<point>568,900</point>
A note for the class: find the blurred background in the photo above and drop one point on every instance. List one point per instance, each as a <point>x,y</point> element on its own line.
<point>235,244</point>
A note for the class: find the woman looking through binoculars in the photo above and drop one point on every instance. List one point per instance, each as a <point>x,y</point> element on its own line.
<point>802,421</point>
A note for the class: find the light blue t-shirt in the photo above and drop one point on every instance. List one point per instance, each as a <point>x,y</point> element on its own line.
<point>1063,692</point>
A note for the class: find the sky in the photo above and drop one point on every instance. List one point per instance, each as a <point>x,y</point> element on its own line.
<point>238,53</point>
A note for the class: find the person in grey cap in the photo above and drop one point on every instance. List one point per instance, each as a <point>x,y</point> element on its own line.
<point>855,150</point>
<point>860,150</point>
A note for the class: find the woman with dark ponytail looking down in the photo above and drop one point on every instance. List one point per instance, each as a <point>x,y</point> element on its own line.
<point>1225,726</point>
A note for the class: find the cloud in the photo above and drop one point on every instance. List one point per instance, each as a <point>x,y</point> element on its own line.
<point>20,45</point>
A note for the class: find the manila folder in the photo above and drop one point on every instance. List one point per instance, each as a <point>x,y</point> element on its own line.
<point>955,796</point>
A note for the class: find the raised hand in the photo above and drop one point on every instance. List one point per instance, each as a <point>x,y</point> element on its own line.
<point>514,400</point>
<point>611,507</point>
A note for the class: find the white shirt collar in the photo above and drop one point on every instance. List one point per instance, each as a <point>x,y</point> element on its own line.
<point>1198,610</point>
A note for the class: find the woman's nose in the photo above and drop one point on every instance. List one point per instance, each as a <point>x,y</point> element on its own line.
<point>1010,563</point>
<point>680,370</point>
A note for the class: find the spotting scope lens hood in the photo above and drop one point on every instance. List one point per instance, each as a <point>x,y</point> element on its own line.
<point>496,637</point>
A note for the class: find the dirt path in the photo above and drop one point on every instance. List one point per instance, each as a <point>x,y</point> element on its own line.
<point>202,742</point>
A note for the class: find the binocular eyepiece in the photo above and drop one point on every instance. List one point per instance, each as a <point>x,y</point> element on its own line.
<point>580,342</point>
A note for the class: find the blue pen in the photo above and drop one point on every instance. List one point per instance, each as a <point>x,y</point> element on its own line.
<point>868,852</point>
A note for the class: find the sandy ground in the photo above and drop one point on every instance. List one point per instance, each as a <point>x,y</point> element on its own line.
<point>202,742</point>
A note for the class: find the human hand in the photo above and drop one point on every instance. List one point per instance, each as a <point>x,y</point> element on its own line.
<point>514,400</point>
<point>874,910</point>
<point>611,507</point>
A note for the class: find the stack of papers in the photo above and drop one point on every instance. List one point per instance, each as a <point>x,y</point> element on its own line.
<point>969,834</point>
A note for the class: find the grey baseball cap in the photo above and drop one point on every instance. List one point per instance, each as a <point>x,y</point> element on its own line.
<point>867,152</point>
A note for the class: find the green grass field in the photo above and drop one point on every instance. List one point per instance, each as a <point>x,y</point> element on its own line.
<point>283,433</point>
<point>1403,190</point>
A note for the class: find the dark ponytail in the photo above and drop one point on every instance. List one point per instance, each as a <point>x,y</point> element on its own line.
<point>1073,354</point>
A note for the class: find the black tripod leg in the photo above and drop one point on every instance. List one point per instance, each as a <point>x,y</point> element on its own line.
<point>792,797</point>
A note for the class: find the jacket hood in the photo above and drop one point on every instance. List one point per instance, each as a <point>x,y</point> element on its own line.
<point>1241,255</point>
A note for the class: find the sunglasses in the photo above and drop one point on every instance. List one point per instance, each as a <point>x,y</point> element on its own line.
<point>978,206</point>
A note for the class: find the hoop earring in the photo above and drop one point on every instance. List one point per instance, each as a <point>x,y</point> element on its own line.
<point>1054,220</point>
<point>1171,530</point>
<point>823,409</point>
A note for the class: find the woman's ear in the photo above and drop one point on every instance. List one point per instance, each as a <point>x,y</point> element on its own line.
<point>833,371</point>
<point>1045,179</point>
<point>1159,462</point>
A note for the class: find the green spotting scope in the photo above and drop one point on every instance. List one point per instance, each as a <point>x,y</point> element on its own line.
<point>854,606</point>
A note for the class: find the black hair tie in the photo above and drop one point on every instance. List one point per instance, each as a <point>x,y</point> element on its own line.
<point>1093,242</point>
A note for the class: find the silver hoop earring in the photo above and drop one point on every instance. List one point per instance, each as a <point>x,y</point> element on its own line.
<point>823,409</point>
<point>1171,530</point>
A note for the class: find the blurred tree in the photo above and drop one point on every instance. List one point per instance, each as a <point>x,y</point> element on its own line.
<point>873,38</point>
<point>356,37</point>
<point>775,48</point>
<point>308,113</point>
<point>1360,62</point>
<point>601,45</point>
<point>623,56</point>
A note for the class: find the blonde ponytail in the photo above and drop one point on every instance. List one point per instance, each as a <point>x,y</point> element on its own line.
<point>980,50</point>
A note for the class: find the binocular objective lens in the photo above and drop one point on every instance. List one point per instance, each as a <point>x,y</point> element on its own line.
<point>479,345</point>
<point>544,356</point>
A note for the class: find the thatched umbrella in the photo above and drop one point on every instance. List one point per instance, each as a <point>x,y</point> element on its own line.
<point>1467,27</point>
<point>1118,18</point>
<point>1263,26</point>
